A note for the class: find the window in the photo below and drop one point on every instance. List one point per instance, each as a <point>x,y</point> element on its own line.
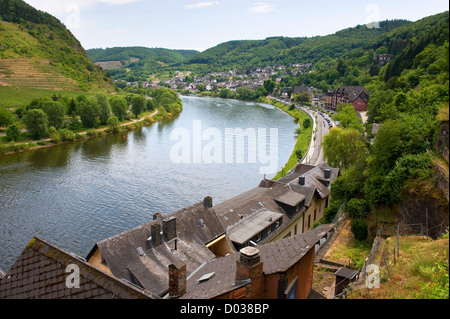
<point>315,214</point>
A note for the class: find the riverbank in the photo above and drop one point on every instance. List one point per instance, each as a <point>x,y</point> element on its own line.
<point>12,147</point>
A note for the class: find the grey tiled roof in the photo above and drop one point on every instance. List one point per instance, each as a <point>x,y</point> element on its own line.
<point>196,226</point>
<point>40,272</point>
<point>277,256</point>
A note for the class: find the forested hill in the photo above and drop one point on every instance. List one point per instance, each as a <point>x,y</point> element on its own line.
<point>137,63</point>
<point>38,51</point>
<point>282,50</point>
<point>142,53</point>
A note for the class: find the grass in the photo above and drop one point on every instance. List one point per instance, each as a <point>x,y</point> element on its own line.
<point>412,268</point>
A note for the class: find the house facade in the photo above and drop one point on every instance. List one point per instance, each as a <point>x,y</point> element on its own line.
<point>357,96</point>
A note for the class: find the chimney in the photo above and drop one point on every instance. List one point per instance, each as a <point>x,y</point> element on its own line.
<point>170,228</point>
<point>249,266</point>
<point>327,173</point>
<point>156,234</point>
<point>177,279</point>
<point>208,202</point>
<point>302,180</point>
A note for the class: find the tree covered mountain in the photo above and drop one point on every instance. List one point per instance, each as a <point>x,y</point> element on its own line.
<point>136,63</point>
<point>142,53</point>
<point>38,51</point>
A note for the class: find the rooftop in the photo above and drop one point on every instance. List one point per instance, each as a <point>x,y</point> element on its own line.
<point>41,272</point>
<point>252,226</point>
<point>277,256</point>
<point>133,254</point>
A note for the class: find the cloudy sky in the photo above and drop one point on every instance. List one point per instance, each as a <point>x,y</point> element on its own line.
<point>201,24</point>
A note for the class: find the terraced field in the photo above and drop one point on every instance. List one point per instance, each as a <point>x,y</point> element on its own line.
<point>36,74</point>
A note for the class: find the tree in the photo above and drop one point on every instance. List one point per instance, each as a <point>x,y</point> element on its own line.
<point>357,208</point>
<point>343,148</point>
<point>119,107</point>
<point>36,122</point>
<point>307,123</point>
<point>113,123</point>
<point>89,112</point>
<point>269,85</point>
<point>359,229</point>
<point>12,132</point>
<point>56,113</point>
<point>348,117</point>
<point>6,117</point>
<point>138,104</point>
<point>105,108</point>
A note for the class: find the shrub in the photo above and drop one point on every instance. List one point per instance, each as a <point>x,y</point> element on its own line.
<point>307,123</point>
<point>66,135</point>
<point>113,123</point>
<point>359,229</point>
<point>91,133</point>
<point>357,208</point>
<point>54,135</point>
<point>6,117</point>
<point>299,154</point>
<point>12,133</point>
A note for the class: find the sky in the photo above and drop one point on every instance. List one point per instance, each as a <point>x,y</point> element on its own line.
<point>202,24</point>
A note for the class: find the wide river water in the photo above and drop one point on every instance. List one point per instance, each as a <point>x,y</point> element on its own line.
<point>76,194</point>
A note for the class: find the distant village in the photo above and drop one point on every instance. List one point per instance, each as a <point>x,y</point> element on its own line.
<point>232,80</point>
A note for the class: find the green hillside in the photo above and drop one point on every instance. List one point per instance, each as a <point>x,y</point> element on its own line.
<point>137,63</point>
<point>38,52</point>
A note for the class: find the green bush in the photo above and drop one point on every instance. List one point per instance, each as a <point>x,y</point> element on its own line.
<point>359,229</point>
<point>66,135</point>
<point>54,135</point>
<point>12,133</point>
<point>357,208</point>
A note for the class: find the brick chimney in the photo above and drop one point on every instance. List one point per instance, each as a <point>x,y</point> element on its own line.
<point>177,279</point>
<point>170,228</point>
<point>249,266</point>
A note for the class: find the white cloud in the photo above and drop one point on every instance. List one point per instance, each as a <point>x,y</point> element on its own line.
<point>200,5</point>
<point>262,7</point>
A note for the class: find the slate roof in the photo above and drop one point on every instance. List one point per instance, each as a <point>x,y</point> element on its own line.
<point>314,179</point>
<point>245,206</point>
<point>277,256</point>
<point>40,273</point>
<point>196,226</point>
<point>346,273</point>
<point>353,92</point>
<point>264,197</point>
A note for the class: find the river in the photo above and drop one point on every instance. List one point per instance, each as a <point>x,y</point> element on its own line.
<point>75,194</point>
